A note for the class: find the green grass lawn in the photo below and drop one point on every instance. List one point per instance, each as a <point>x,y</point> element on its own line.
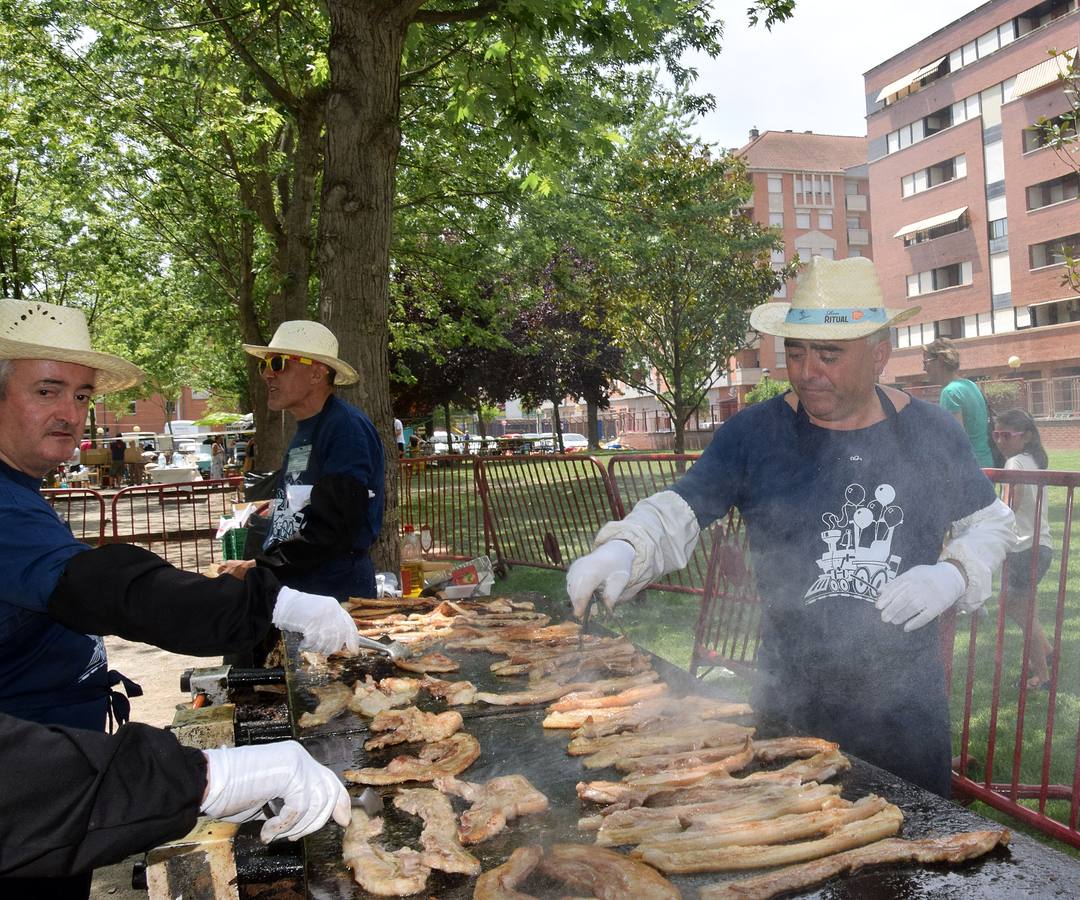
<point>665,622</point>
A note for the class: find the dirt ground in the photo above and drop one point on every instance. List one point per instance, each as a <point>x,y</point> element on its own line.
<point>159,674</point>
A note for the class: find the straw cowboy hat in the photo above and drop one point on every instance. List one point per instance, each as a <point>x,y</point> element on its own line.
<point>309,340</point>
<point>834,300</point>
<point>35,330</point>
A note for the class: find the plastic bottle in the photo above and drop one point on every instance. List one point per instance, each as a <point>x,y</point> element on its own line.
<point>161,460</point>
<point>412,564</point>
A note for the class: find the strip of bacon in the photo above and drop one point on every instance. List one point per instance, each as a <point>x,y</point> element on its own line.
<point>431,662</point>
<point>953,848</point>
<point>548,691</point>
<point>412,724</point>
<point>439,837</point>
<point>501,882</point>
<point>376,870</point>
<point>730,859</point>
<point>605,874</point>
<point>688,710</point>
<point>596,700</point>
<point>449,757</point>
<point>493,804</point>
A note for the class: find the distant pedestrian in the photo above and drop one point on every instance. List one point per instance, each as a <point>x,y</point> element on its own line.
<point>249,457</point>
<point>399,435</point>
<point>116,462</point>
<point>217,460</point>
<point>1018,439</point>
<point>961,397</point>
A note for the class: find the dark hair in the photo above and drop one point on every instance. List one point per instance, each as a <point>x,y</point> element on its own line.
<point>1019,420</point>
<point>944,350</point>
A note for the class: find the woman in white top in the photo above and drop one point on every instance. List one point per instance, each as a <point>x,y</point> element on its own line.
<point>1018,439</point>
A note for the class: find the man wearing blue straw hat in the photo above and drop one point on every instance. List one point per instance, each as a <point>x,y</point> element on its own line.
<point>867,517</point>
<point>71,797</point>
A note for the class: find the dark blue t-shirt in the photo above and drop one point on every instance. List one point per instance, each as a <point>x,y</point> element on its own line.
<point>831,517</point>
<point>339,440</point>
<point>48,673</point>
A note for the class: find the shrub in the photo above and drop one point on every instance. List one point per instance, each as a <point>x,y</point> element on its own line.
<point>766,389</point>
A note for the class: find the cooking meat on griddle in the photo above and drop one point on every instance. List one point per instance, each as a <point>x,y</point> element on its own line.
<point>376,870</point>
<point>545,691</point>
<point>370,696</point>
<point>411,724</point>
<point>953,848</point>
<point>501,882</point>
<point>332,700</point>
<point>430,662</point>
<point>449,757</point>
<point>493,804</point>
<point>605,874</point>
<point>439,838</point>
<point>455,693</point>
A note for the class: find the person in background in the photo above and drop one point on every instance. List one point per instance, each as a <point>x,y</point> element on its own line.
<point>959,396</point>
<point>217,460</point>
<point>399,435</point>
<point>249,457</point>
<point>867,518</point>
<point>328,504</point>
<point>116,461</point>
<point>1018,439</point>
<point>414,444</point>
<point>72,798</point>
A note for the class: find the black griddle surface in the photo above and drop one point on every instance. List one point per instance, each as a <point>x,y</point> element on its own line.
<point>512,740</point>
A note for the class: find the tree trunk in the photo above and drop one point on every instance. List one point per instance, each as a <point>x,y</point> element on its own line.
<point>592,426</point>
<point>294,257</point>
<point>481,425</point>
<point>362,142</point>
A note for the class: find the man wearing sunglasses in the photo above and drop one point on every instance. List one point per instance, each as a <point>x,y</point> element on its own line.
<point>328,503</point>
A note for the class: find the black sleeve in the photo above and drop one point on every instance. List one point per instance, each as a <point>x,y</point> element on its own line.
<point>128,591</point>
<point>71,800</point>
<point>332,521</point>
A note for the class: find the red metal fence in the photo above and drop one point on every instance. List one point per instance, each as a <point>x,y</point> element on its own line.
<point>83,510</point>
<point>440,496</point>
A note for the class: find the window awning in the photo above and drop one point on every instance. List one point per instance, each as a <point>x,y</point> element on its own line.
<point>1039,76</point>
<point>933,222</point>
<point>1048,302</point>
<point>894,87</point>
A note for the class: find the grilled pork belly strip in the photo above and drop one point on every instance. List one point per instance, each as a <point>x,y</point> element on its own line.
<point>369,696</point>
<point>605,874</point>
<point>411,724</point>
<point>439,837</point>
<point>468,638</point>
<point>689,710</point>
<point>766,831</point>
<point>456,693</point>
<point>331,700</point>
<point>449,757</point>
<point>493,804</point>
<point>376,870</point>
<point>604,751</point>
<point>431,662</point>
<point>596,700</point>
<point>882,824</point>
<point>501,882</point>
<point>547,691</point>
<point>953,848</point>
<point>664,762</point>
<point>521,658</point>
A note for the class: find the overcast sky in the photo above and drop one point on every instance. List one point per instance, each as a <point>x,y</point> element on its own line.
<point>806,74</point>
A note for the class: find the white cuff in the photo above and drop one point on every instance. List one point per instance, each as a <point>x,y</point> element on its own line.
<point>663,531</point>
<point>979,543</point>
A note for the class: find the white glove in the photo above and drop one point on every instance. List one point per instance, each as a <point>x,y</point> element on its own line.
<point>608,566</point>
<point>920,595</point>
<point>326,627</point>
<point>239,780</point>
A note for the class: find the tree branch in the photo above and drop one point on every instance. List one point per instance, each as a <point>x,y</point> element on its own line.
<point>449,16</point>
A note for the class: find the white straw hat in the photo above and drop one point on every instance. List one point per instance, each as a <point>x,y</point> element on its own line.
<point>35,330</point>
<point>836,300</point>
<point>310,340</point>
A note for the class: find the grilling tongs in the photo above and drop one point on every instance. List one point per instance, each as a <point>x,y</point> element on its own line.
<point>394,649</point>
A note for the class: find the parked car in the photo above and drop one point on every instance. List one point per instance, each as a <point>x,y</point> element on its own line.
<point>572,442</point>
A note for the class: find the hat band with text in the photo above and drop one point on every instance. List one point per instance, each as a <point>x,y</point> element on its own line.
<point>856,315</point>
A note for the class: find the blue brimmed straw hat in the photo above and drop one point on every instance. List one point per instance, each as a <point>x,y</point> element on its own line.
<point>834,300</point>
<point>30,329</point>
<point>310,340</point>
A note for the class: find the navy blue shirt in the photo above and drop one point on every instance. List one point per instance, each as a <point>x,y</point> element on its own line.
<point>48,673</point>
<point>831,517</point>
<point>338,441</point>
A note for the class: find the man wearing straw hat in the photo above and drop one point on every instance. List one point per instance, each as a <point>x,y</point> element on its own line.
<point>71,797</point>
<point>867,517</point>
<point>329,502</point>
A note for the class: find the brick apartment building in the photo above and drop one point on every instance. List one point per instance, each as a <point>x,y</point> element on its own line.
<point>815,189</point>
<point>970,211</point>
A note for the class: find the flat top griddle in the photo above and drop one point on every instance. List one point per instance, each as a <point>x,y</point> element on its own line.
<point>512,740</point>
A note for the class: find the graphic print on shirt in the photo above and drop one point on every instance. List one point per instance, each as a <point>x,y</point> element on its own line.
<point>858,560</point>
<point>288,517</point>
<point>98,659</point>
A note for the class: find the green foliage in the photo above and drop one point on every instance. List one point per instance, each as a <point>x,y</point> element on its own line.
<point>766,389</point>
<point>1002,395</point>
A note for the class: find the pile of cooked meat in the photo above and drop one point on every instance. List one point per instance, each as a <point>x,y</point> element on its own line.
<point>691,790</point>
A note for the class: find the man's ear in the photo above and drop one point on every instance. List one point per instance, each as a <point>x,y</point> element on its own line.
<point>881,353</point>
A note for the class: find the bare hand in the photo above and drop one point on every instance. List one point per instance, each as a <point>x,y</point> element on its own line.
<point>238,568</point>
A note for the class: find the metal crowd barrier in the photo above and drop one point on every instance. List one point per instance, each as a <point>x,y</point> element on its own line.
<point>82,509</point>
<point>177,521</point>
<point>439,495</point>
<point>1019,747</point>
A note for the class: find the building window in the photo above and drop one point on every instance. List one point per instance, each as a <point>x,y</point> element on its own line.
<point>940,279</point>
<point>851,187</point>
<point>1042,14</point>
<point>932,176</point>
<point>928,234</point>
<point>776,220</point>
<point>1057,190</point>
<point>1039,135</point>
<point>776,184</point>
<point>939,120</point>
<point>781,292</point>
<point>813,189</point>
<point>824,220</point>
<point>854,253</point>
<point>998,228</point>
<point>802,219</point>
<point>853,221</point>
<point>132,408</point>
<point>777,256</point>
<point>1053,253</point>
